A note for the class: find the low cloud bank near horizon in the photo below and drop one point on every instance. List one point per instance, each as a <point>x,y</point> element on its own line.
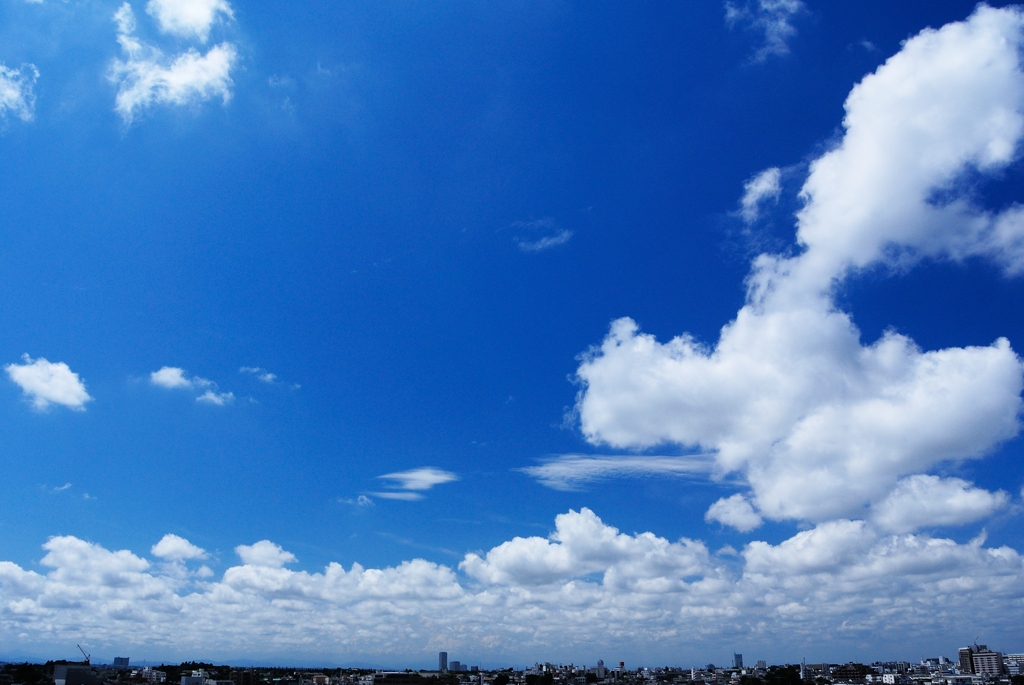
<point>587,586</point>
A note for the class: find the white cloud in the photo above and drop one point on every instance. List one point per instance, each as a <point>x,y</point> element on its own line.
<point>919,501</point>
<point>540,235</point>
<point>402,496</point>
<point>546,243</point>
<point>734,511</point>
<point>216,398</point>
<point>146,78</point>
<point>16,91</point>
<point>48,383</point>
<point>264,553</point>
<point>62,488</point>
<point>587,586</point>
<point>360,501</point>
<point>773,18</point>
<point>175,548</point>
<point>762,188</point>
<point>582,545</point>
<point>172,377</point>
<point>188,18</point>
<point>571,471</point>
<point>820,424</point>
<point>420,479</point>
<point>260,373</point>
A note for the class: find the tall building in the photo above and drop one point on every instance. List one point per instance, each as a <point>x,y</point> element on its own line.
<point>737,660</point>
<point>243,676</point>
<point>987,662</point>
<point>120,662</point>
<point>442,661</point>
<point>761,665</point>
<point>966,662</point>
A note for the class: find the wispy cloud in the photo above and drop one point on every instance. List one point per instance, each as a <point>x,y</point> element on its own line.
<point>217,398</point>
<point>540,235</point>
<point>360,501</point>
<point>260,373</point>
<point>404,496</point>
<point>764,188</point>
<point>772,18</point>
<point>409,485</point>
<point>419,479</point>
<point>16,91</point>
<point>573,471</point>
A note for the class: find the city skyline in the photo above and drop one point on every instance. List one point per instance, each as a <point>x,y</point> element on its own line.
<point>369,330</point>
<point>934,663</point>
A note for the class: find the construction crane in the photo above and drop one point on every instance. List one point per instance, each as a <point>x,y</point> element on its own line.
<point>84,653</point>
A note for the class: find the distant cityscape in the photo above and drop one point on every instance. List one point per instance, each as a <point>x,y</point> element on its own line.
<point>974,665</point>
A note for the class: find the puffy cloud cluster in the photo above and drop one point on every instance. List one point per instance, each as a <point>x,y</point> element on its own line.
<point>921,500</point>
<point>188,18</point>
<point>176,378</point>
<point>734,511</point>
<point>172,377</point>
<point>146,77</point>
<point>586,586</point>
<point>46,383</point>
<point>16,91</point>
<point>582,545</point>
<point>176,548</point>
<point>821,425</point>
<point>264,554</point>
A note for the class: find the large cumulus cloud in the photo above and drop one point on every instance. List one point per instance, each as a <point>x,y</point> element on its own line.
<point>821,424</point>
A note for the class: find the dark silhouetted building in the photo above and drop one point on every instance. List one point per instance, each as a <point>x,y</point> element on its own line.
<point>966,662</point>
<point>74,674</point>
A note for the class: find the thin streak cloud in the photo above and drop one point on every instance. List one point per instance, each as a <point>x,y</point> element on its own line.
<point>419,479</point>
<point>573,471</point>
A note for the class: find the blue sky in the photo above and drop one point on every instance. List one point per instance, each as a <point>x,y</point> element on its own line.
<point>288,288</point>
